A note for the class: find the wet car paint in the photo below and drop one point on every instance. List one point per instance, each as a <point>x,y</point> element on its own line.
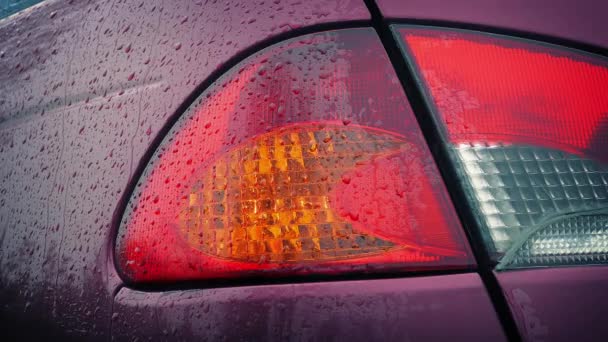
<point>581,21</point>
<point>430,308</point>
<point>85,87</point>
<point>561,304</point>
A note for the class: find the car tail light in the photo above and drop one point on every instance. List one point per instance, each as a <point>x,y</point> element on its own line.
<point>303,159</point>
<point>527,126</point>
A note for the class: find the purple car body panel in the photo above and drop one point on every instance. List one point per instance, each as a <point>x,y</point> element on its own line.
<point>436,308</point>
<point>582,21</point>
<point>84,88</point>
<point>561,304</point>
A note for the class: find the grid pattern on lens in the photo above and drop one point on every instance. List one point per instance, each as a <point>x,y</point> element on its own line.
<point>574,240</point>
<point>517,187</point>
<point>268,200</point>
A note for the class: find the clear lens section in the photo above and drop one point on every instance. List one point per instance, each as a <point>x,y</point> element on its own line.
<point>569,241</point>
<point>521,188</point>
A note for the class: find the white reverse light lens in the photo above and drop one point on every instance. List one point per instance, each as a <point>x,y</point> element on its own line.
<point>533,202</point>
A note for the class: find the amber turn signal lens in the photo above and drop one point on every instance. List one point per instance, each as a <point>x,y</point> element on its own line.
<point>270,199</point>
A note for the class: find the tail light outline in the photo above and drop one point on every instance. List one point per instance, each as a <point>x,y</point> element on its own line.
<point>479,239</point>
<point>189,103</point>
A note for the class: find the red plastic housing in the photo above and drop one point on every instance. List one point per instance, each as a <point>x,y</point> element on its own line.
<point>491,89</point>
<point>330,100</point>
<point>526,125</point>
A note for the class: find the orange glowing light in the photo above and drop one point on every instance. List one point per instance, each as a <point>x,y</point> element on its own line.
<point>270,199</point>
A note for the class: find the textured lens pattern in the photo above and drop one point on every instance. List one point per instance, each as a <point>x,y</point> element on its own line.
<point>571,241</point>
<point>269,200</point>
<point>519,187</point>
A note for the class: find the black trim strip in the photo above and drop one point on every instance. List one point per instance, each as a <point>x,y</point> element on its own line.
<point>287,280</point>
<point>414,90</point>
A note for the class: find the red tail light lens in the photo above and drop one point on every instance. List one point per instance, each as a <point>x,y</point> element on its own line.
<point>304,159</point>
<point>527,125</point>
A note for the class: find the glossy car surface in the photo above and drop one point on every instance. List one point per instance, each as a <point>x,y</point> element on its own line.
<point>87,87</point>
